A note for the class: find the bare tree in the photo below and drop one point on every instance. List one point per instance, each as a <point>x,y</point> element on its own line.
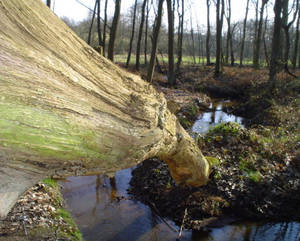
<point>99,25</point>
<point>113,30</point>
<point>244,34</point>
<point>208,2</point>
<point>219,19</point>
<point>286,27</point>
<point>275,61</point>
<point>138,48</point>
<point>92,22</point>
<point>155,40</point>
<point>146,33</point>
<point>296,44</point>
<point>132,34</point>
<point>180,33</point>
<point>228,39</point>
<point>171,73</point>
<point>256,53</point>
<point>104,27</point>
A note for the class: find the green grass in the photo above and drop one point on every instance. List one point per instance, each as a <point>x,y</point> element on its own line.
<point>50,182</point>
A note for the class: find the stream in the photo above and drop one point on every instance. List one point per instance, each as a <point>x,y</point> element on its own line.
<point>104,211</point>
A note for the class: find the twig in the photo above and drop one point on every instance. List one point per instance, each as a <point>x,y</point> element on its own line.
<point>23,222</point>
<point>182,224</point>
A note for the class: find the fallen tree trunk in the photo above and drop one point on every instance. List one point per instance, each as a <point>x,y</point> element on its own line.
<point>66,110</point>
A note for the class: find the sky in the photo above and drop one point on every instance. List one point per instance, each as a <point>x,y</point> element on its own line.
<point>76,12</point>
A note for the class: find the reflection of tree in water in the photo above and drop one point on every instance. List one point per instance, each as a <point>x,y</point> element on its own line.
<point>113,188</point>
<point>97,192</point>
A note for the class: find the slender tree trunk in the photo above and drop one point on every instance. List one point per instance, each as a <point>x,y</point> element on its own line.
<point>113,30</point>
<point>231,45</point>
<point>255,29</point>
<point>296,44</point>
<point>228,18</point>
<point>208,33</point>
<point>138,48</point>
<point>99,25</point>
<point>275,61</point>
<point>132,34</point>
<point>256,56</point>
<point>171,73</point>
<point>146,33</point>
<point>104,27</point>
<point>265,44</point>
<point>180,35</point>
<point>193,44</point>
<point>219,20</point>
<point>244,34</point>
<point>49,3</point>
<point>155,40</point>
<point>92,22</point>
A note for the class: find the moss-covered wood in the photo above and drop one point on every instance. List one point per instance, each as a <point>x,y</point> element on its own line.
<point>62,106</point>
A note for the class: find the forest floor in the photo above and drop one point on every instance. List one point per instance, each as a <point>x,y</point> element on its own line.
<point>40,215</point>
<point>255,171</point>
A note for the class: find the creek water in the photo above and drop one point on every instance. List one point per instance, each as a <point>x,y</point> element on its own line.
<point>104,211</point>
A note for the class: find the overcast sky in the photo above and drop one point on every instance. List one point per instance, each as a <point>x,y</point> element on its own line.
<point>75,11</point>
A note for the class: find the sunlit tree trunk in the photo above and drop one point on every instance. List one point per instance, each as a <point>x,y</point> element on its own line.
<point>244,34</point>
<point>132,34</point>
<point>105,27</point>
<point>139,40</point>
<point>208,33</point>
<point>171,72</point>
<point>296,44</point>
<point>219,19</point>
<point>66,110</point>
<point>180,34</point>
<point>146,32</point>
<point>99,24</point>
<point>113,30</point>
<point>155,41</point>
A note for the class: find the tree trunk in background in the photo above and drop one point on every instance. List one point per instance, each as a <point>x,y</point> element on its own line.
<point>228,19</point>
<point>286,27</point>
<point>231,45</point>
<point>92,22</point>
<point>265,44</point>
<point>219,20</point>
<point>255,29</point>
<point>208,33</point>
<point>180,34</point>
<point>99,25</point>
<point>256,53</point>
<point>146,33</point>
<point>113,30</point>
<point>171,72</point>
<point>63,107</point>
<point>275,65</point>
<point>155,41</point>
<point>244,34</point>
<point>296,44</point>
<point>49,3</point>
<point>138,48</point>
<point>132,34</point>
<point>104,28</point>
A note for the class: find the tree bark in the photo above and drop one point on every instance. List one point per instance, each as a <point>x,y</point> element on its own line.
<point>256,54</point>
<point>104,28</point>
<point>219,21</point>
<point>228,18</point>
<point>156,30</point>
<point>146,33</point>
<point>113,30</point>
<point>244,34</point>
<point>64,107</point>
<point>171,72</point>
<point>138,48</point>
<point>208,33</point>
<point>180,35</point>
<point>132,34</point>
<point>275,65</point>
<point>99,25</point>
<point>92,22</point>
<point>296,44</point>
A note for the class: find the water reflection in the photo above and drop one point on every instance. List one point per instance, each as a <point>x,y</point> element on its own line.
<point>214,117</point>
<point>102,215</point>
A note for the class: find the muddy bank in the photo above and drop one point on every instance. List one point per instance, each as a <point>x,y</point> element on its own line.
<point>39,215</point>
